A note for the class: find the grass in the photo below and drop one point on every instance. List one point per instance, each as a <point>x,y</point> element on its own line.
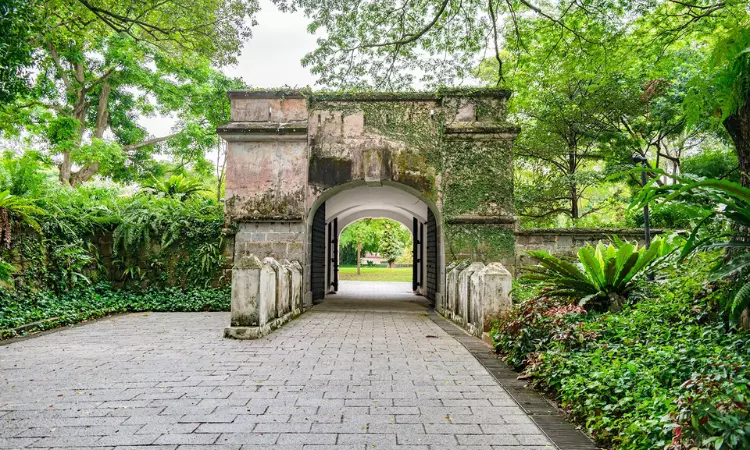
<point>375,273</point>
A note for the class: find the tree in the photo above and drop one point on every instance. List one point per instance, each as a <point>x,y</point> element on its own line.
<point>394,43</point>
<point>720,89</point>
<point>391,244</point>
<point>103,63</point>
<point>17,25</point>
<point>390,43</point>
<point>363,235</point>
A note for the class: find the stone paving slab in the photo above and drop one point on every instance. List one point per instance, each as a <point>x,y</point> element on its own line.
<point>336,378</point>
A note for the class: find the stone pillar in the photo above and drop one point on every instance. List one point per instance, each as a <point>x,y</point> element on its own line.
<point>493,294</point>
<point>265,295</point>
<point>272,269</point>
<point>489,294</point>
<point>285,288</point>
<point>253,298</point>
<point>297,288</point>
<point>464,291</point>
<point>246,292</point>
<point>451,288</point>
<point>477,198</point>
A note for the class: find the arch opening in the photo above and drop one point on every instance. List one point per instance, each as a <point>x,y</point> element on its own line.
<point>333,213</point>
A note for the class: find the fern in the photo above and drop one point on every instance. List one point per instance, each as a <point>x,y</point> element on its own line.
<point>6,270</point>
<point>722,227</point>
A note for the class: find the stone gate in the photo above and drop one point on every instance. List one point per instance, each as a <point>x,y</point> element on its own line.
<point>302,165</point>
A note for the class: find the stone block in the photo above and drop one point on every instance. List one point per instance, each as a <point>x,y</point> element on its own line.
<point>296,269</point>
<point>270,289</point>
<point>284,295</point>
<point>464,293</point>
<point>354,124</point>
<point>451,287</point>
<point>246,292</point>
<point>490,295</point>
<point>267,295</point>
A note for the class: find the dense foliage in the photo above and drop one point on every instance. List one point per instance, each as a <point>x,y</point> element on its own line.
<point>724,211</point>
<point>665,371</point>
<point>384,236</point>
<point>594,84</point>
<point>73,252</point>
<point>45,309</point>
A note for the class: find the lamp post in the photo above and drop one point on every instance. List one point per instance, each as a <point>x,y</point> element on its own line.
<point>638,159</point>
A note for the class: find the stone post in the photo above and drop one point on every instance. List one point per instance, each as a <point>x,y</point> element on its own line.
<point>464,292</point>
<point>493,295</point>
<point>451,287</point>
<point>274,305</point>
<point>297,287</point>
<point>246,292</point>
<point>285,289</point>
<point>253,298</point>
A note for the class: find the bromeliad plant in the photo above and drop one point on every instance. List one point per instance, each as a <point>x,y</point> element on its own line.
<point>604,276</point>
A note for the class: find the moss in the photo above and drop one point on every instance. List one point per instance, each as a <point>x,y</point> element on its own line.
<point>479,179</point>
<point>269,206</point>
<point>413,170</point>
<point>486,243</point>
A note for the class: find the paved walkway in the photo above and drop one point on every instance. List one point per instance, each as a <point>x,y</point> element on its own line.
<point>336,378</point>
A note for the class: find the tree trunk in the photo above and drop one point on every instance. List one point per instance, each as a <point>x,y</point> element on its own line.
<point>738,128</point>
<point>574,213</point>
<point>65,167</point>
<point>359,257</point>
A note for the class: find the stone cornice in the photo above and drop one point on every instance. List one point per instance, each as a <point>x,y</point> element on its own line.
<point>248,131</point>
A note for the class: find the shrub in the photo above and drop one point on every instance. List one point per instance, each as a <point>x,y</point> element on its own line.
<point>724,224</point>
<point>97,300</point>
<point>6,270</point>
<point>664,373</point>
<point>532,325</point>
<point>713,409</point>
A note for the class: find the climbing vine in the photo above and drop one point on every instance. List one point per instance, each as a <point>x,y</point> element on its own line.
<point>461,168</point>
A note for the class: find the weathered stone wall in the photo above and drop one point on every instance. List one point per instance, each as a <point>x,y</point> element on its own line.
<point>290,150</point>
<point>280,240</point>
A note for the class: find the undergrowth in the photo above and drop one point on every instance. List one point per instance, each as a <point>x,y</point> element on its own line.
<point>83,303</point>
<point>666,372</point>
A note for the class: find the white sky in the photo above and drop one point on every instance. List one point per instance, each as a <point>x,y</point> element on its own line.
<point>271,58</point>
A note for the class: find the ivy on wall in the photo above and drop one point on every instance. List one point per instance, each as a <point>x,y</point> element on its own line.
<point>466,172</point>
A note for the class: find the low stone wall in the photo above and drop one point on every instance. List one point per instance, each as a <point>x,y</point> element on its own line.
<point>567,241</point>
<point>265,295</point>
<point>476,295</point>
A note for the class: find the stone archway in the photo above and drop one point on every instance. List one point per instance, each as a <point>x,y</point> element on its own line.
<point>293,156</point>
<point>354,201</point>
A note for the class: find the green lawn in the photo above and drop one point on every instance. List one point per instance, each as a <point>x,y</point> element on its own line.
<point>375,273</point>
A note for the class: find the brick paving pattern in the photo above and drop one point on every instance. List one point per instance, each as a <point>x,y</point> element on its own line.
<point>342,376</point>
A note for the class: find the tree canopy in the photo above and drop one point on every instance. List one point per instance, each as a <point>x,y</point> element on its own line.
<point>99,66</point>
<point>594,83</point>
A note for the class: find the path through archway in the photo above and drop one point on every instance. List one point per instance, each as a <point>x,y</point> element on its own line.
<point>374,201</point>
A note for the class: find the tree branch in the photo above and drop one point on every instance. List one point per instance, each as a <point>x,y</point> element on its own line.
<point>59,68</point>
<point>411,37</point>
<point>151,141</point>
